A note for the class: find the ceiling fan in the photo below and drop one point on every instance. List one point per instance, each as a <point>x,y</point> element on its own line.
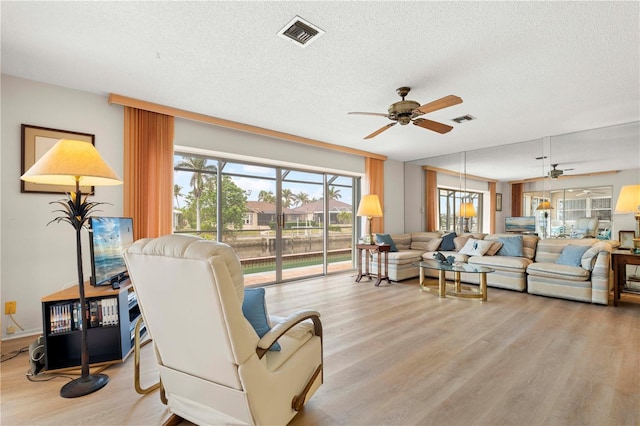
<point>555,173</point>
<point>405,112</point>
<point>588,193</point>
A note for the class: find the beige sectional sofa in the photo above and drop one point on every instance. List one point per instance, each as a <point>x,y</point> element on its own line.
<point>536,271</point>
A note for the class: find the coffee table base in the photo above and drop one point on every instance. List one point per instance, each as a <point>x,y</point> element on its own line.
<point>458,289</point>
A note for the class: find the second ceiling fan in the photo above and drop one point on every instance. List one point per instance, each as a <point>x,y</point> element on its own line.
<point>405,112</point>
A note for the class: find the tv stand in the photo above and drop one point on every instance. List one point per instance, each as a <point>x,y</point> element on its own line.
<point>111,316</point>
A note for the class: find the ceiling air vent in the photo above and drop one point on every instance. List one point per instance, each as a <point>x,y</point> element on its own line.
<point>464,118</point>
<point>301,32</point>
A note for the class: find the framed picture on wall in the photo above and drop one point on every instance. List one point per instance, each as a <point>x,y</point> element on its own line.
<point>36,141</point>
<point>498,202</point>
<point>626,239</point>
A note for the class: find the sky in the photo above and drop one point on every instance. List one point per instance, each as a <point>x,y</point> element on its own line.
<point>257,178</point>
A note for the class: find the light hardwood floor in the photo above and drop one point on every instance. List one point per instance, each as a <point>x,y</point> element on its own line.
<point>396,356</point>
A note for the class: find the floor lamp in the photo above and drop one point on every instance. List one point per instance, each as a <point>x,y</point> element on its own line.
<point>370,207</point>
<point>71,162</point>
<point>545,206</point>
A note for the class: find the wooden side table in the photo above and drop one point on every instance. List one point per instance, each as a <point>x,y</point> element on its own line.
<point>383,253</point>
<point>619,261</point>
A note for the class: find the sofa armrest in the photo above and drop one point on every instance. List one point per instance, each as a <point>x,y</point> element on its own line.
<point>600,278</point>
<point>285,325</point>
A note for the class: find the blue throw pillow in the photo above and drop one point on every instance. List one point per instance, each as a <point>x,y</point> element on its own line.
<point>255,311</point>
<point>386,239</point>
<point>572,255</point>
<point>511,246</point>
<point>447,242</point>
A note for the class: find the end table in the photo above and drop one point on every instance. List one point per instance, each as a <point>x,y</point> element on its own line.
<point>383,253</point>
<point>619,261</point>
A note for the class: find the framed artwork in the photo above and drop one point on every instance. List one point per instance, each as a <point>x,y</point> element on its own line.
<point>626,239</point>
<point>38,140</point>
<point>498,202</point>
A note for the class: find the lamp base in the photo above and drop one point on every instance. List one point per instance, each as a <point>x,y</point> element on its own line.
<point>84,385</point>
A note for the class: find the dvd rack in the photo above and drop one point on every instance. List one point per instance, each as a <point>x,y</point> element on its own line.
<point>110,316</point>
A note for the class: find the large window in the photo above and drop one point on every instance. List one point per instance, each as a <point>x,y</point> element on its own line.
<point>451,217</point>
<point>283,223</point>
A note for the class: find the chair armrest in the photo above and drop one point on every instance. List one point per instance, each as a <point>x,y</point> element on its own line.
<point>285,325</point>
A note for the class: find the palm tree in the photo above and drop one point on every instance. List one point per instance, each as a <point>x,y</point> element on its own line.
<point>197,166</point>
<point>287,198</point>
<point>266,196</point>
<point>301,198</point>
<point>177,193</point>
<point>334,193</point>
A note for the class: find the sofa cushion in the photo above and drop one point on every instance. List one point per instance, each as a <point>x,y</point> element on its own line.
<point>511,246</point>
<point>475,247</point>
<point>386,239</point>
<point>447,242</point>
<point>402,241</point>
<point>572,255</point>
<point>502,262</point>
<point>555,270</point>
<point>529,243</point>
<point>495,248</point>
<point>589,257</point>
<point>430,245</point>
<point>425,236</point>
<point>402,257</point>
<point>460,241</point>
<point>255,311</point>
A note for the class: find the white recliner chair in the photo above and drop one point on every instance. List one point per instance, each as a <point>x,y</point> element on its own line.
<point>214,368</point>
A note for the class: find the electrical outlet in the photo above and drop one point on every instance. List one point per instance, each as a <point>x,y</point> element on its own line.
<point>10,308</point>
<point>11,329</point>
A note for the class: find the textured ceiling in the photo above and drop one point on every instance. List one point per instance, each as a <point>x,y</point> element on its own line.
<point>526,70</point>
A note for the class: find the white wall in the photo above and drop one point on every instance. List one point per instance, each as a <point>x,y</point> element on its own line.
<point>250,147</point>
<point>38,259</point>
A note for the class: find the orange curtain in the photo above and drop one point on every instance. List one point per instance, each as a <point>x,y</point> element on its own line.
<point>492,214</point>
<point>148,172</point>
<point>431,200</point>
<point>374,183</point>
<point>516,199</point>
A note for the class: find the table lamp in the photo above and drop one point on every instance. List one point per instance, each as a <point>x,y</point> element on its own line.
<point>71,162</point>
<point>629,203</point>
<point>370,207</point>
<point>467,211</point>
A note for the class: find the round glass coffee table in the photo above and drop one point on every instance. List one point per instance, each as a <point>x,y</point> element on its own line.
<point>455,289</point>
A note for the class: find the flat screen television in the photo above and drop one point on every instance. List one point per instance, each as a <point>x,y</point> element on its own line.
<point>108,238</point>
<point>520,224</point>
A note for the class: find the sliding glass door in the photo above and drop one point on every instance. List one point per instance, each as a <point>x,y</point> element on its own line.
<point>284,224</point>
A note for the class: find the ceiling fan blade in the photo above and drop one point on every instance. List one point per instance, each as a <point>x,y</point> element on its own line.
<point>445,102</point>
<point>432,125</point>
<point>380,130</point>
<point>370,113</point>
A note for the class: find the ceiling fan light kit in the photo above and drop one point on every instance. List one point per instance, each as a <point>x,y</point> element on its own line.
<point>407,111</point>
